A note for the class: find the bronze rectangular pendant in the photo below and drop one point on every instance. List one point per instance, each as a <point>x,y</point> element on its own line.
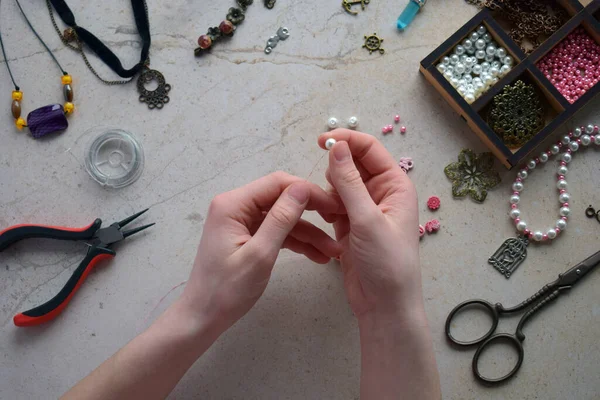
<point>510,255</point>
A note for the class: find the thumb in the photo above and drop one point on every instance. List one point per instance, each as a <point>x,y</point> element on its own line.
<point>348,183</point>
<point>282,218</point>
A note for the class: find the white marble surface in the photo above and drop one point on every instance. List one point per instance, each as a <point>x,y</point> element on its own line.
<point>233,117</point>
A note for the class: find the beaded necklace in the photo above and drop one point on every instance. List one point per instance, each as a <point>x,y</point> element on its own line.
<point>514,250</point>
<point>47,119</point>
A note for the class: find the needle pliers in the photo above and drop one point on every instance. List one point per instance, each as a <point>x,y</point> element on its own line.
<point>99,241</point>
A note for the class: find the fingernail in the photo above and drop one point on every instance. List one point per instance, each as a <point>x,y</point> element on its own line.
<point>299,193</point>
<point>341,151</point>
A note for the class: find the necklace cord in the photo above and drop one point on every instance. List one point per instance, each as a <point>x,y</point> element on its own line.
<point>39,38</point>
<point>6,60</point>
<point>140,12</point>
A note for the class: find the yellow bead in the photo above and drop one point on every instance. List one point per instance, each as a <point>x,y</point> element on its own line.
<point>69,107</point>
<point>17,95</point>
<point>20,123</point>
<point>66,79</point>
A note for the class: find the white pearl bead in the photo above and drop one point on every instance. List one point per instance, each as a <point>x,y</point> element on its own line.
<point>474,36</point>
<point>543,157</point>
<point>480,54</point>
<point>577,132</point>
<point>454,59</point>
<point>597,140</point>
<point>521,226</point>
<point>468,79</point>
<point>565,139</point>
<point>586,140</point>
<point>467,44</point>
<point>501,53</point>
<point>567,157</point>
<point>538,236</point>
<point>565,211</point>
<point>460,68</point>
<point>441,68</point>
<point>480,44</point>
<point>463,58</point>
<point>332,123</point>
<point>531,164</point>
<point>485,66</point>
<point>353,122</point>
<point>554,149</point>
<point>460,50</point>
<point>508,60</point>
<point>491,50</point>
<point>494,71</point>
<point>477,69</point>
<point>562,184</point>
<point>454,82</point>
<point>489,57</point>
<point>562,170</point>
<point>561,224</point>
<point>589,129</point>
<point>564,197</point>
<point>505,69</point>
<point>574,146</point>
<point>481,30</point>
<point>470,98</point>
<point>523,174</point>
<point>551,233</point>
<point>514,199</point>
<point>517,186</point>
<point>515,213</point>
<point>329,143</point>
<point>487,37</point>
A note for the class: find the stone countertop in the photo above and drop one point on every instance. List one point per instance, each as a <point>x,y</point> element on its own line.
<point>234,116</point>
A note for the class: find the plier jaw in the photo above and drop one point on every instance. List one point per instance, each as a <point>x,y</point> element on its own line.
<point>99,241</point>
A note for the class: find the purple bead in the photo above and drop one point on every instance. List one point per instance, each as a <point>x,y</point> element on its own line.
<point>46,120</point>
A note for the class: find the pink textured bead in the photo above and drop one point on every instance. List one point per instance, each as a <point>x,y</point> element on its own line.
<point>397,119</point>
<point>432,226</point>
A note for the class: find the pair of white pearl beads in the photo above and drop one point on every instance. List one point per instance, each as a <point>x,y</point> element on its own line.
<point>583,136</point>
<point>333,123</point>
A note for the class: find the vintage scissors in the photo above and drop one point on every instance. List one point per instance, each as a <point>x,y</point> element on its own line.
<point>99,242</point>
<point>533,304</point>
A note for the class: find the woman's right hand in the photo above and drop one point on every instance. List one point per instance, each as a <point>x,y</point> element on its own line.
<point>379,234</point>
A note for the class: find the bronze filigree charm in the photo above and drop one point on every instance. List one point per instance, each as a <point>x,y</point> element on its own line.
<point>154,98</point>
<point>517,114</point>
<point>510,255</point>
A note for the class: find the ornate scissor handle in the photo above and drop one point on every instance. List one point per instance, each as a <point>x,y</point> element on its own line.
<point>500,337</point>
<point>489,307</point>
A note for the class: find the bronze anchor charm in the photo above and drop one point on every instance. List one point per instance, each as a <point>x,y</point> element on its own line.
<point>347,4</point>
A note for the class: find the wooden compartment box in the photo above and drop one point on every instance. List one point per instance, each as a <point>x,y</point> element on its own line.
<point>557,109</point>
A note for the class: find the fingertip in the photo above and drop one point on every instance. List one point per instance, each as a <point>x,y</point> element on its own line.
<point>299,192</point>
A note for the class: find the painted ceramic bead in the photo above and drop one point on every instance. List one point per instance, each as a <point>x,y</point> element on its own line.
<point>20,123</point>
<point>69,107</point>
<point>226,27</point>
<point>204,42</point>
<point>66,79</point>
<point>17,95</point>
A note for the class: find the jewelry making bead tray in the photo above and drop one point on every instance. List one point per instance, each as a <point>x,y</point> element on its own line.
<point>558,108</point>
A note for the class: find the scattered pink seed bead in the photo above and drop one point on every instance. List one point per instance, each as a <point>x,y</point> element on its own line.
<point>397,119</point>
<point>403,129</point>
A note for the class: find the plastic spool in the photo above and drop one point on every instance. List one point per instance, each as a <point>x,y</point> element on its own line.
<point>115,158</point>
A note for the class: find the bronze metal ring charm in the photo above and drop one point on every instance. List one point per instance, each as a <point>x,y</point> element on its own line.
<point>154,98</point>
<point>590,212</point>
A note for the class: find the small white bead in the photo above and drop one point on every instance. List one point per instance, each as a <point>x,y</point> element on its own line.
<point>543,157</point>
<point>562,170</point>
<point>494,71</point>
<point>577,132</point>
<point>332,123</point>
<point>561,224</point>
<point>538,236</point>
<point>485,66</point>
<point>460,50</point>
<point>517,186</point>
<point>477,69</point>
<point>514,199</point>
<point>480,54</point>
<point>508,60</point>
<point>468,44</point>
<point>353,122</point>
<point>567,157</point>
<point>554,149</point>
<point>491,50</point>
<point>474,36</point>
<point>487,37</point>
<point>481,30</point>
<point>564,197</point>
<point>329,143</point>
<point>521,226</point>
<point>551,233</point>
<point>531,164</point>
<point>562,184</point>
<point>446,61</point>
<point>586,140</point>
<point>565,139</point>
<point>470,98</point>
<point>589,129</point>
<point>504,70</point>
<point>480,44</point>
<point>597,140</point>
<point>574,146</point>
<point>522,174</point>
<point>501,53</point>
<point>565,211</point>
<point>454,59</point>
<point>515,213</point>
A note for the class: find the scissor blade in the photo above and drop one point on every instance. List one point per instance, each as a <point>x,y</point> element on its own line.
<point>573,275</point>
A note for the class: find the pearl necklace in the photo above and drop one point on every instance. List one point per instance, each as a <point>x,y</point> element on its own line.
<point>514,250</point>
